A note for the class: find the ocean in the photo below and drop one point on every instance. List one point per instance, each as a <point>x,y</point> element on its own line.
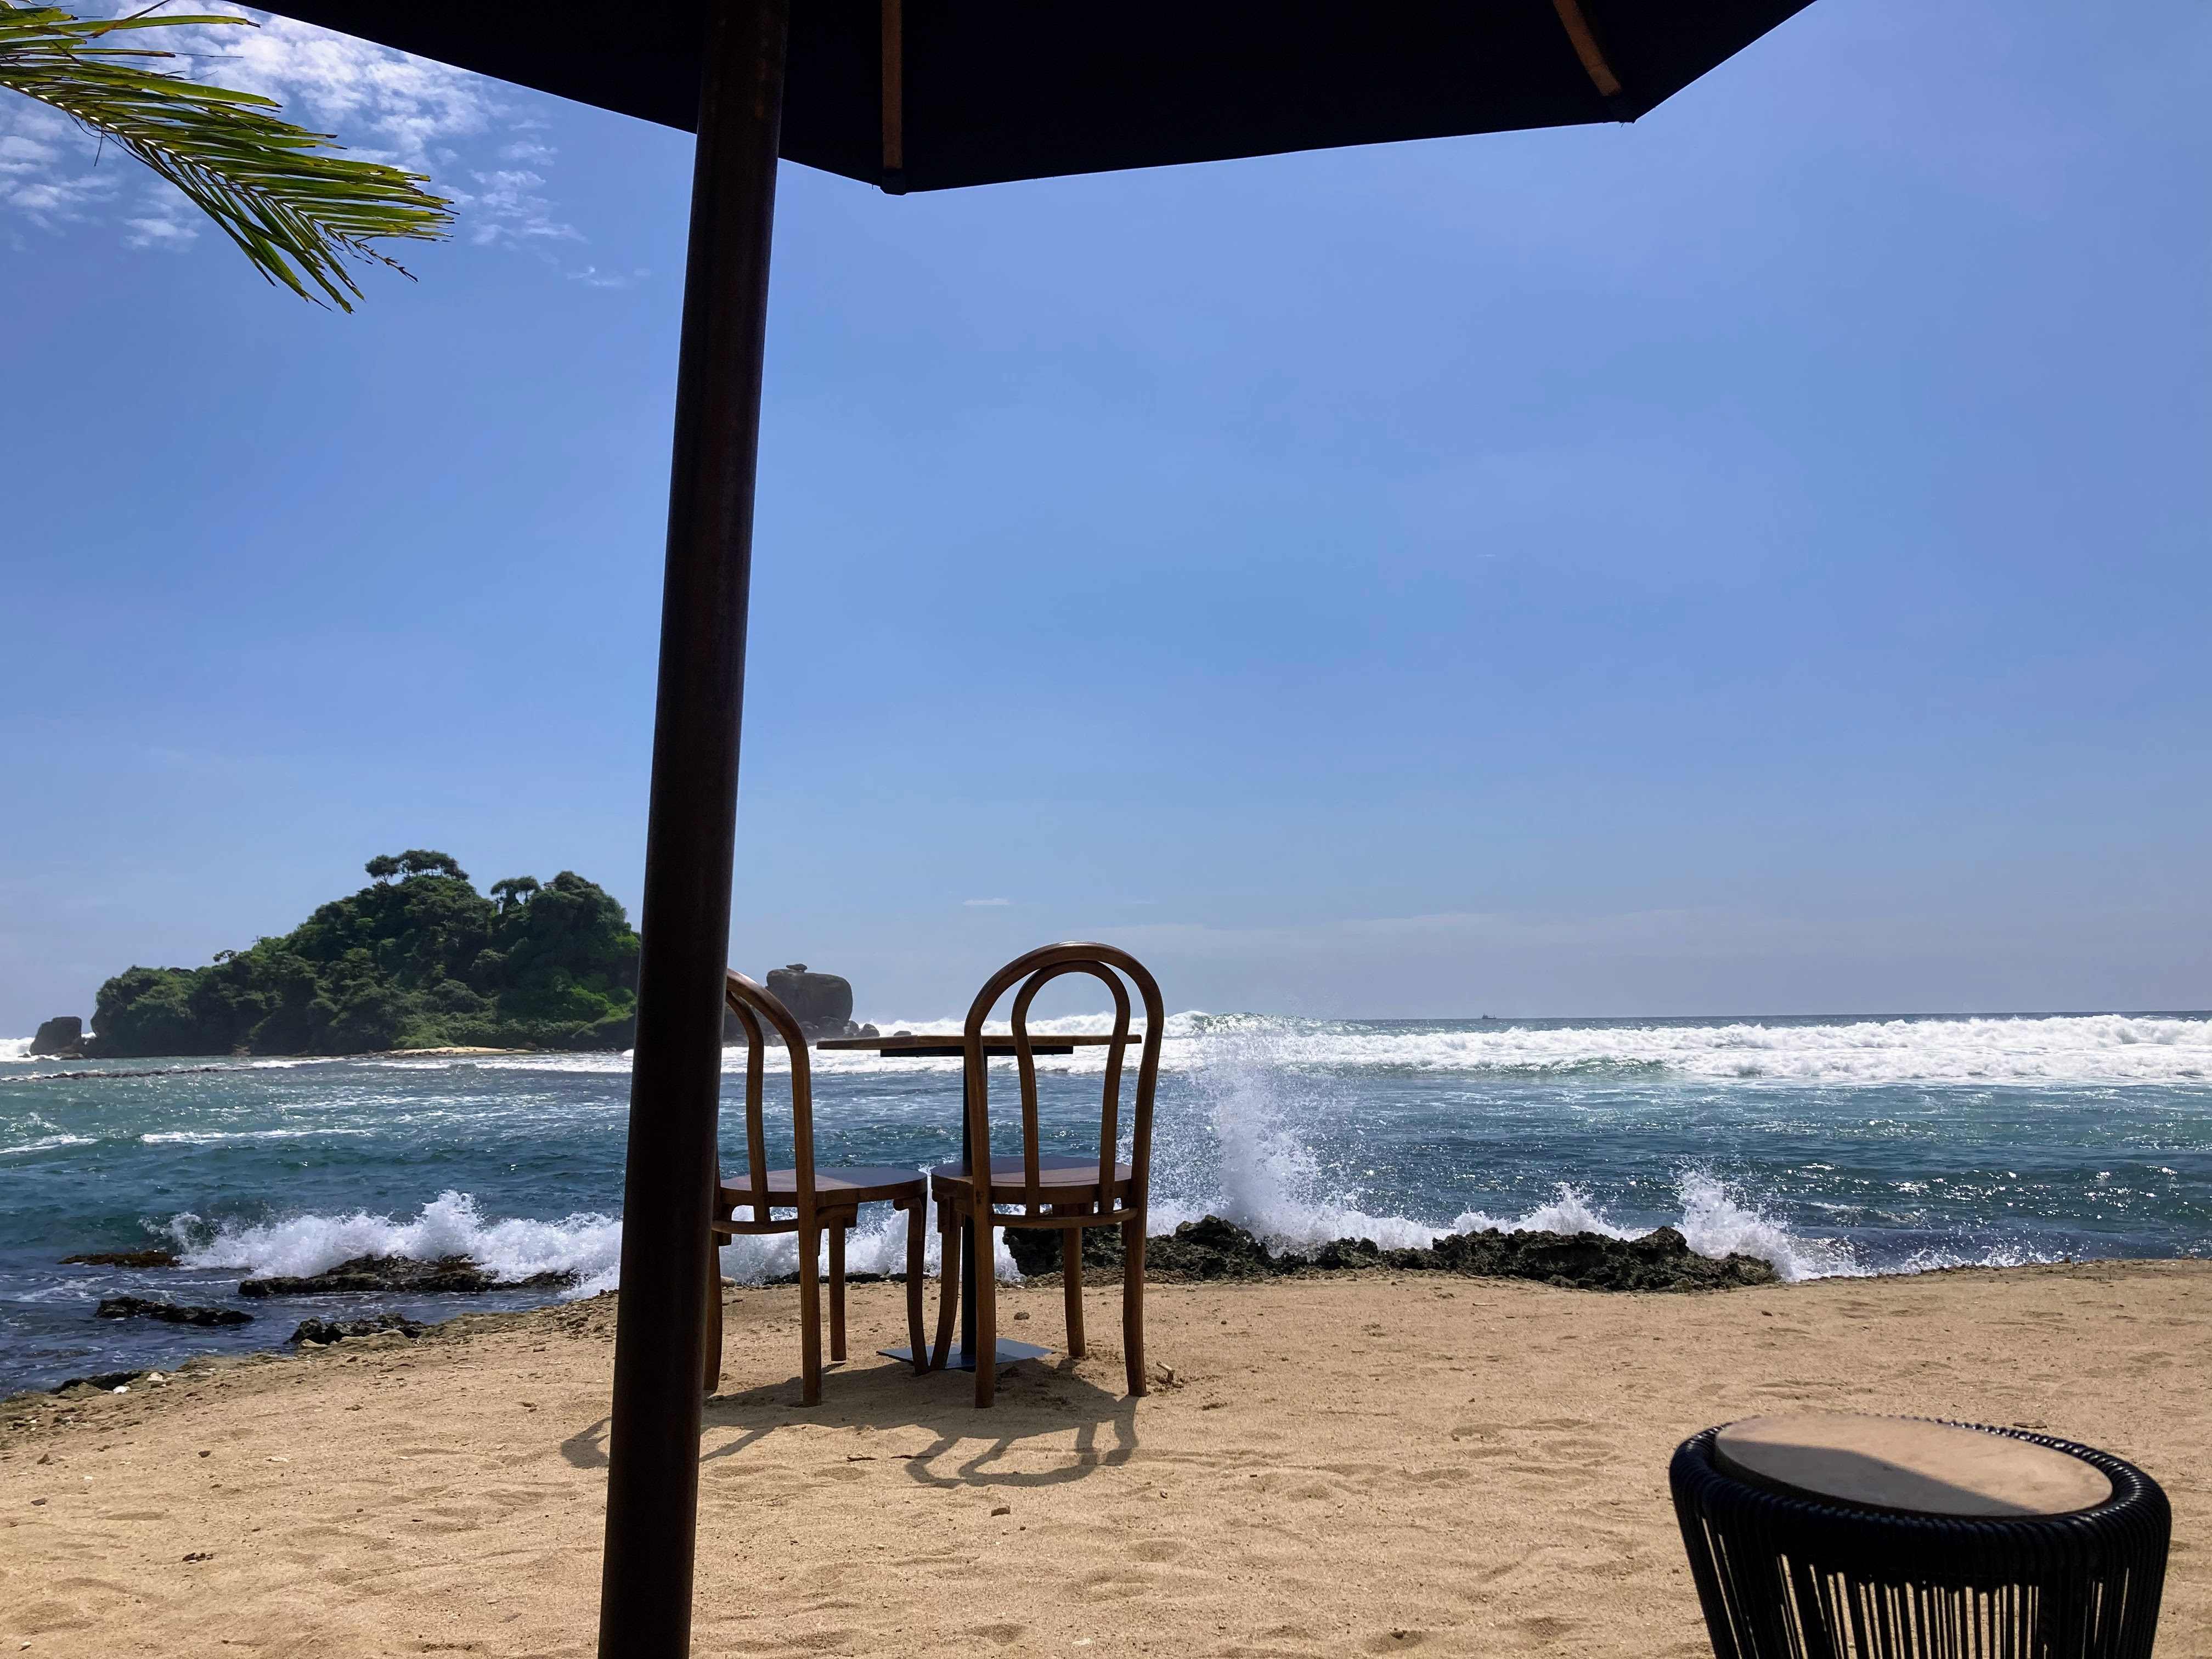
<point>1827,1145</point>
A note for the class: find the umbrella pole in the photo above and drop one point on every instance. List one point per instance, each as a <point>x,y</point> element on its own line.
<point>653,1490</point>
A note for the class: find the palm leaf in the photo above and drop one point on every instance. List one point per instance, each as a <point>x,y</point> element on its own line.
<point>297,213</point>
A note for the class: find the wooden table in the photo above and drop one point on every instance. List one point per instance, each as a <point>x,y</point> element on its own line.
<point>949,1048</point>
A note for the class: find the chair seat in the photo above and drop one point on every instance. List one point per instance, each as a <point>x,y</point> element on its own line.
<point>851,1183</point>
<point>1061,1179</point>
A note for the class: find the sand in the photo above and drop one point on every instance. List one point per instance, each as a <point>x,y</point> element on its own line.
<point>1362,1464</point>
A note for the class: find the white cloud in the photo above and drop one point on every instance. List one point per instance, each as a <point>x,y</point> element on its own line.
<point>464,131</point>
<point>974,904</point>
<point>509,206</point>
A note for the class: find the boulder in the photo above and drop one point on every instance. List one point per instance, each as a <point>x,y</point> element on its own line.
<point>821,1003</point>
<point>172,1313</point>
<point>452,1274</point>
<point>61,1037</point>
<point>324,1332</point>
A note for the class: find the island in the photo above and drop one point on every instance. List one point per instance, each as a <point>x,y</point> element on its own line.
<point>417,959</point>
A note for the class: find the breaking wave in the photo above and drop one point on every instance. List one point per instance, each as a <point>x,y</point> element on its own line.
<point>587,1245</point>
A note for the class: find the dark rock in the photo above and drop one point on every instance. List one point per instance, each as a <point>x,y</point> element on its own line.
<point>1660,1260</point>
<point>1211,1249</point>
<point>821,1003</point>
<point>122,1259</point>
<point>106,1382</point>
<point>172,1313</point>
<point>62,1037</point>
<point>160,1071</point>
<point>450,1275</point>
<point>324,1332</point>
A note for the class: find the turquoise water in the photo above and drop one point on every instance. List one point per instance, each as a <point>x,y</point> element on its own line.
<point>1826,1145</point>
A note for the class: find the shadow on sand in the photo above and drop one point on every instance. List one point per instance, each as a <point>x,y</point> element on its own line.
<point>1038,1400</point>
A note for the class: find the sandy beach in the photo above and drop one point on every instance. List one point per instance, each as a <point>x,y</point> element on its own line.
<point>1362,1463</point>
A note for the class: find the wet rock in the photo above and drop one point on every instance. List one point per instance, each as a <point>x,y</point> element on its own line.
<point>1211,1249</point>
<point>324,1332</point>
<point>1660,1260</point>
<point>122,1259</point>
<point>174,1313</point>
<point>450,1275</point>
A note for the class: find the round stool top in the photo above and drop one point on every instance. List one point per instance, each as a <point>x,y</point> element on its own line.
<point>1899,1463</point>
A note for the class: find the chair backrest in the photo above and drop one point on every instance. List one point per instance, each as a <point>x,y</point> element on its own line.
<point>1033,972</point>
<point>751,1003</point>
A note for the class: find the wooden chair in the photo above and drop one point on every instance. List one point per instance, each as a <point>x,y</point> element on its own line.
<point>1069,1194</point>
<point>822,1200</point>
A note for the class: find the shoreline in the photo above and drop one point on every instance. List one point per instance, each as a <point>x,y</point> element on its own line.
<point>1097,1285</point>
<point>1355,1462</point>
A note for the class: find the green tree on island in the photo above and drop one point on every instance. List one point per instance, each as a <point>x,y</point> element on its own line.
<point>421,962</point>
<point>298,213</point>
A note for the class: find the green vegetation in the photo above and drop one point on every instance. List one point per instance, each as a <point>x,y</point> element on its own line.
<point>300,215</point>
<point>417,959</point>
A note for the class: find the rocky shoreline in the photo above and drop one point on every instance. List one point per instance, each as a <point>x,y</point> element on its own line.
<point>452,1275</point>
<point>1207,1251</point>
<point>1211,1249</point>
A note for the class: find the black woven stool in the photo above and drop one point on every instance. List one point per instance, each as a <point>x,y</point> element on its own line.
<point>1829,1535</point>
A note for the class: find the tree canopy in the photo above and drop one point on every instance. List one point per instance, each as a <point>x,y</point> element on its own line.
<point>421,962</point>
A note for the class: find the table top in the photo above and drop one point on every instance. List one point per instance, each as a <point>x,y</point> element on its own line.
<point>1909,1464</point>
<point>943,1045</point>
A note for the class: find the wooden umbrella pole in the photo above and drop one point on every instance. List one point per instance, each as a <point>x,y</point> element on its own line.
<point>653,1494</point>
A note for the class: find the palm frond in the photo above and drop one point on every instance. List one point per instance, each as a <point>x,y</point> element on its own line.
<point>299,215</point>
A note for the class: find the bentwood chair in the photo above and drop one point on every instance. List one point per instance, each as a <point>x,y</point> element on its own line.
<point>821,1200</point>
<point>1066,1193</point>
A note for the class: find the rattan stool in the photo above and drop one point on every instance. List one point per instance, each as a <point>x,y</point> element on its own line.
<point>1830,1535</point>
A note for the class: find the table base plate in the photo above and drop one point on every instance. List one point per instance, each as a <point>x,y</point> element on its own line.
<point>1009,1353</point>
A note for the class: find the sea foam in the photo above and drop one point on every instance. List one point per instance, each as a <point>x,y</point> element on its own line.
<point>587,1245</point>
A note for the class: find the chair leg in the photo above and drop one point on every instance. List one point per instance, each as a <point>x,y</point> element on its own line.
<point>714,1378</point>
<point>1132,1303</point>
<point>810,1318</point>
<point>1071,1281</point>
<point>915,1234</point>
<point>948,1284</point>
<point>837,1288</point>
<point>987,1309</point>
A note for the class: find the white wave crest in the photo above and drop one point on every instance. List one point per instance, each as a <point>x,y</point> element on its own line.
<point>2059,1050</point>
<point>48,1144</point>
<point>1263,1176</point>
<point>586,1244</point>
<point>15,1049</point>
<point>1714,1222</point>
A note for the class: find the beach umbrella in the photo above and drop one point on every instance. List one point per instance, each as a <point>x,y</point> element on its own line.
<point>909,96</point>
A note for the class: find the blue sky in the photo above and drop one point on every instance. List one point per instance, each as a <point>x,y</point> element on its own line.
<point>1752,560</point>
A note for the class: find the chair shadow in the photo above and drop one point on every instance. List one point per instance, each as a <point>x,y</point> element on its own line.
<point>1035,1399</point>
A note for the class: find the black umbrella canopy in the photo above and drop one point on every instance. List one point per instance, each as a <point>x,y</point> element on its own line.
<point>932,95</point>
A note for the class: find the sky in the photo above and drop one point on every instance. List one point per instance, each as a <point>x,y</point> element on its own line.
<point>1751,560</point>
